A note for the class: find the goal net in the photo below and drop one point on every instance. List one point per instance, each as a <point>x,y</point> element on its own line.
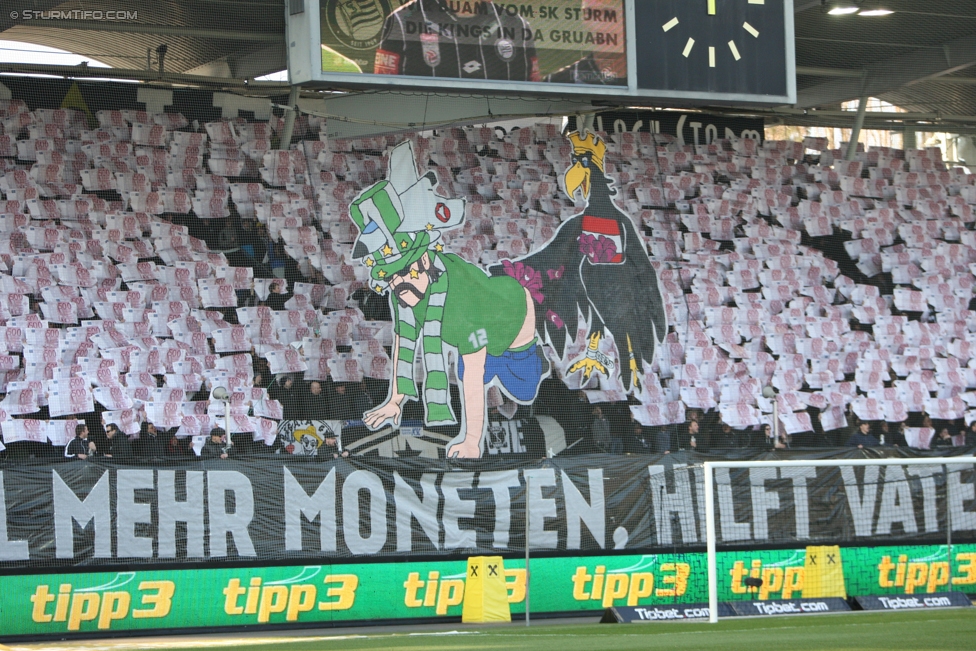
<point>838,528</point>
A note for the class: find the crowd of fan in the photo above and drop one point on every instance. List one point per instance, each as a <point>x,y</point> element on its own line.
<point>145,262</point>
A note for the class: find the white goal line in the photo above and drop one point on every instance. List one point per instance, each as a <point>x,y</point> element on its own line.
<point>791,463</point>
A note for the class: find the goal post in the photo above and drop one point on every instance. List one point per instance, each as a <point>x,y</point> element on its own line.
<point>709,471</point>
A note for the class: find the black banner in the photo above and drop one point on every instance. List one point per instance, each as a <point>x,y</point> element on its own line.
<point>201,105</point>
<point>688,128</point>
<point>262,509</point>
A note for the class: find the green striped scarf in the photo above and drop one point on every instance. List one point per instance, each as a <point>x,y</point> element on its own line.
<point>437,395</point>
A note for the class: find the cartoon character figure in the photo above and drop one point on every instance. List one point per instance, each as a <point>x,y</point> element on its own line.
<point>595,265</point>
<point>441,303</point>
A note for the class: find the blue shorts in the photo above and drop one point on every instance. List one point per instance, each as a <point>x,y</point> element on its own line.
<point>519,372</point>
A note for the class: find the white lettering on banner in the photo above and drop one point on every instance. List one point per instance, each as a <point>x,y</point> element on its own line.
<point>231,105</point>
<point>134,514</point>
<point>541,509</point>
<point>320,504</point>
<point>929,494</point>
<point>10,550</point>
<point>652,614</point>
<point>95,509</point>
<point>896,503</point>
<point>763,501</point>
<point>667,503</point>
<point>171,511</point>
<point>410,506</point>
<point>352,515</point>
<point>898,603</point>
<point>731,530</point>
<point>129,513</point>
<point>222,521</point>
<point>801,500</point>
<point>791,607</point>
<point>592,514</point>
<point>501,484</point>
<point>155,99</point>
<point>861,502</point>
<point>456,508</point>
<point>959,494</point>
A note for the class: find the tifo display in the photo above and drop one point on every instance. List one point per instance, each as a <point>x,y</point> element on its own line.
<point>166,263</point>
<point>219,357</point>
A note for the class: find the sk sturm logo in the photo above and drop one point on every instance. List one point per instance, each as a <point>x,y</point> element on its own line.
<point>506,49</point>
<point>357,24</point>
<point>430,44</point>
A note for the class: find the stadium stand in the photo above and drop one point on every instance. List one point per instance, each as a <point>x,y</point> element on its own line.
<point>148,259</point>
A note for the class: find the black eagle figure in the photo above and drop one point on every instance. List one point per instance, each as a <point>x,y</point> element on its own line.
<point>595,265</point>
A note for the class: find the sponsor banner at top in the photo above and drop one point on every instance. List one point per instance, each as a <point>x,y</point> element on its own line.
<point>547,41</point>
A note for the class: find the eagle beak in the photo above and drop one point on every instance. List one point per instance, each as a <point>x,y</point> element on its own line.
<point>578,177</point>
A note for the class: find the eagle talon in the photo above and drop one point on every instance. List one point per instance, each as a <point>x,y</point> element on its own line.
<point>588,365</point>
<point>634,370</point>
<point>594,360</point>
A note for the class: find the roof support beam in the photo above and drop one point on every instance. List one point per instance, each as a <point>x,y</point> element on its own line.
<point>803,5</point>
<point>83,72</point>
<point>889,75</point>
<point>847,73</point>
<point>157,30</point>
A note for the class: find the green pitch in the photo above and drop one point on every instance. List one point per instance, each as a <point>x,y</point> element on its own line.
<point>944,630</point>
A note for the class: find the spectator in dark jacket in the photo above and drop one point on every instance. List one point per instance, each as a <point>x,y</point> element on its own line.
<point>80,447</point>
<point>277,296</point>
<point>285,391</point>
<point>315,406</point>
<point>119,447</point>
<point>663,440</point>
<point>863,437</point>
<point>150,444</point>
<point>216,445</point>
<point>603,437</point>
<point>942,440</point>
<point>690,438</point>
<point>970,434</point>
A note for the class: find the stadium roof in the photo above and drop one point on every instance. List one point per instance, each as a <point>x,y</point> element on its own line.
<point>922,57</point>
<point>238,39</point>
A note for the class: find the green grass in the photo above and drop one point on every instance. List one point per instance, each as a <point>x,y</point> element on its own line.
<point>944,630</point>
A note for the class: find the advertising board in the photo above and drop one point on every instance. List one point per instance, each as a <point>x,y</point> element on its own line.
<point>666,586</point>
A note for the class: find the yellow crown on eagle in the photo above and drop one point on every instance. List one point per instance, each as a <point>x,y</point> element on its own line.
<point>589,144</point>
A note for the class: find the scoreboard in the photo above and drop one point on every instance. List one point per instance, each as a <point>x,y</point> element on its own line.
<point>720,51</point>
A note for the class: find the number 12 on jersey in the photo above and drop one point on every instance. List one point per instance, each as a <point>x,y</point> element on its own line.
<point>478,339</point>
